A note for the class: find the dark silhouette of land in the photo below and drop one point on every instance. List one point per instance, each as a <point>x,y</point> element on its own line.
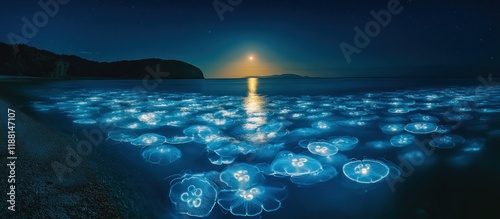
<point>23,60</point>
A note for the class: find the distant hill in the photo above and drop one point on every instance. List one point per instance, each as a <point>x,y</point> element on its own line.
<point>24,60</point>
<point>281,76</point>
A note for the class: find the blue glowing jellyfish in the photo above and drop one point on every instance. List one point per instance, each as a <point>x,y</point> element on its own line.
<point>423,118</point>
<point>287,163</point>
<point>402,140</point>
<point>324,125</point>
<point>474,145</point>
<point>242,176</point>
<point>421,127</point>
<point>344,143</point>
<point>324,175</point>
<point>149,140</point>
<point>161,155</point>
<point>178,140</point>
<point>85,121</point>
<point>304,132</point>
<point>122,135</point>
<point>399,110</point>
<point>193,195</point>
<point>252,201</point>
<point>447,141</point>
<point>459,117</point>
<point>366,171</point>
<point>322,148</point>
<point>201,134</point>
<point>392,128</point>
<point>379,145</point>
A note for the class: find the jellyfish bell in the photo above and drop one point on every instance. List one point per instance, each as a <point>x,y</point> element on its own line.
<point>421,127</point>
<point>149,139</point>
<point>178,140</point>
<point>378,144</point>
<point>423,118</point>
<point>241,176</point>
<point>254,200</point>
<point>401,110</point>
<point>322,148</point>
<point>344,143</point>
<point>402,140</point>
<point>287,163</point>
<point>122,135</point>
<point>193,195</point>
<point>366,171</point>
<point>324,125</point>
<point>392,128</point>
<point>161,155</point>
<point>326,174</point>
<point>85,121</point>
<point>447,141</point>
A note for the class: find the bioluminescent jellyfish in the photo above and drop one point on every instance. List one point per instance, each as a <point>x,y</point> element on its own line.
<point>252,201</point>
<point>444,129</point>
<point>161,155</point>
<point>304,132</point>
<point>488,110</point>
<point>366,171</point>
<point>458,116</point>
<point>131,124</point>
<point>216,159</point>
<point>324,125</point>
<point>201,134</point>
<point>344,143</point>
<point>324,175</point>
<point>378,144</point>
<point>287,163</point>
<point>421,127</point>
<point>322,148</point>
<point>399,110</point>
<point>241,176</point>
<point>194,195</point>
<point>122,135</point>
<point>402,140</point>
<point>447,141</point>
<point>85,121</point>
<point>149,139</point>
<point>392,128</point>
<point>178,140</point>
<point>353,123</point>
<point>149,118</point>
<point>423,118</point>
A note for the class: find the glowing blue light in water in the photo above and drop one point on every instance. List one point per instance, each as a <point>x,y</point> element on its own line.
<point>423,118</point>
<point>178,140</point>
<point>324,125</point>
<point>149,139</point>
<point>252,201</point>
<point>201,134</point>
<point>378,144</point>
<point>421,127</point>
<point>458,117</point>
<point>122,135</point>
<point>322,148</point>
<point>193,195</point>
<point>365,171</point>
<point>398,110</point>
<point>474,145</point>
<point>402,140</point>
<point>287,163</point>
<point>392,128</point>
<point>242,176</point>
<point>85,121</point>
<point>161,155</point>
<point>327,173</point>
<point>344,143</point>
<point>447,141</point>
<point>304,132</point>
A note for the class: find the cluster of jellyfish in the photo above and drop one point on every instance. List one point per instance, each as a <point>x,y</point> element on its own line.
<point>303,140</point>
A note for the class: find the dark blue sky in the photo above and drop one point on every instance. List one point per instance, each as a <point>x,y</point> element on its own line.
<point>300,37</point>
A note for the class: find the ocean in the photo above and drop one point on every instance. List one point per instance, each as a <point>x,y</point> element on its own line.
<point>262,148</point>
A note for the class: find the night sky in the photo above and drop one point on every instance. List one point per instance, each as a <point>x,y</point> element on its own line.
<point>258,37</point>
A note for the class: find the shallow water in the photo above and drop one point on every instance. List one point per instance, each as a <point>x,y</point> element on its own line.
<point>287,128</point>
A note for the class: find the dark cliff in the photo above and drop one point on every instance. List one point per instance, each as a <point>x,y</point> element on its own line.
<point>23,60</point>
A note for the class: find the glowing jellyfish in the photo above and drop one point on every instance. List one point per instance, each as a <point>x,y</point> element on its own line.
<point>402,140</point>
<point>423,118</point>
<point>324,125</point>
<point>85,121</point>
<point>304,132</point>
<point>178,140</point>
<point>392,128</point>
<point>474,145</point>
<point>447,141</point>
<point>193,195</point>
<point>458,117</point>
<point>327,173</point>
<point>122,135</point>
<point>421,127</point>
<point>201,134</point>
<point>322,148</point>
<point>287,163</point>
<point>344,143</point>
<point>378,144</point>
<point>149,140</point>
<point>252,201</point>
<point>398,110</point>
<point>161,155</point>
<point>242,176</point>
<point>366,171</point>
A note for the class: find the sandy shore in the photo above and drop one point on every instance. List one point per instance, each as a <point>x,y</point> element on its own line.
<point>89,191</point>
